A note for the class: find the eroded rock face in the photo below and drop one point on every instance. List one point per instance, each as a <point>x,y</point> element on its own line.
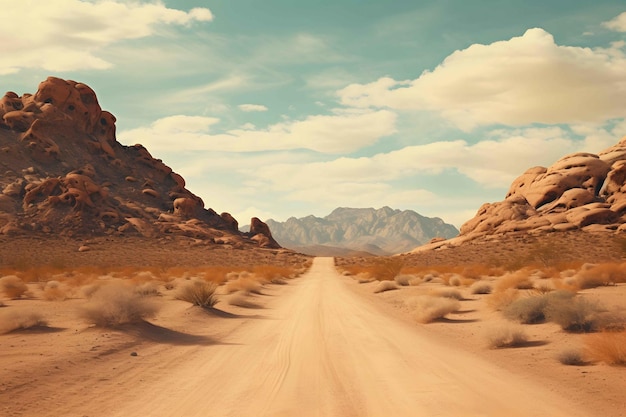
<point>260,232</point>
<point>65,173</point>
<point>579,191</point>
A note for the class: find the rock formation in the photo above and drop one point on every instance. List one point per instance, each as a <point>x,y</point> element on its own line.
<point>380,232</point>
<point>63,172</point>
<point>580,191</point>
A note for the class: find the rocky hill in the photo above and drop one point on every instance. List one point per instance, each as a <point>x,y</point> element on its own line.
<point>379,232</point>
<point>63,173</point>
<point>580,192</point>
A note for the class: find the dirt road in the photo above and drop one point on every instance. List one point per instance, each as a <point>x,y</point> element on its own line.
<point>317,349</point>
<point>322,351</point>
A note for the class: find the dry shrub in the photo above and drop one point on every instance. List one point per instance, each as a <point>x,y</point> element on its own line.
<point>386,269</point>
<point>426,308</point>
<point>244,283</point>
<point>403,279</point>
<point>531,310</point>
<point>448,293</point>
<point>455,280</point>
<point>385,286</point>
<point>480,287</point>
<point>572,357</point>
<point>500,299</point>
<point>19,318</point>
<point>505,336</point>
<point>147,289</point>
<point>54,291</point>
<point>591,276</point>
<point>13,287</point>
<point>607,347</point>
<point>116,304</point>
<point>199,293</point>
<point>479,270</point>
<point>577,314</point>
<point>519,280</point>
<point>272,272</point>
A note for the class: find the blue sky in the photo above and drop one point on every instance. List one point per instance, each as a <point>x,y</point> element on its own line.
<point>282,108</point>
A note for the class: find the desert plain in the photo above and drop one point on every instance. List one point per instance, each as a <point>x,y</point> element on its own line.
<point>109,331</point>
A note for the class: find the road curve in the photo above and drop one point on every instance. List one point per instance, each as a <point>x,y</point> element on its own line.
<point>321,350</point>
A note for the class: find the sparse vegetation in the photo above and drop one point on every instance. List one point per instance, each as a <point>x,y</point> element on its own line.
<point>531,310</point>
<point>607,347</point>
<point>480,287</point>
<point>506,336</point>
<point>15,318</point>
<point>591,276</point>
<point>575,314</point>
<point>448,293</point>
<point>426,308</point>
<point>571,357</point>
<point>54,291</point>
<point>115,304</point>
<point>241,299</point>
<point>13,287</point>
<point>199,293</point>
<point>500,299</point>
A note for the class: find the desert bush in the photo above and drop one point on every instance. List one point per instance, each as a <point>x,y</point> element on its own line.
<point>531,310</point>
<point>244,283</point>
<point>572,357</point>
<point>115,304</point>
<point>505,336</point>
<point>455,281</point>
<point>448,293</point>
<point>575,314</point>
<point>54,291</point>
<point>272,272</point>
<point>591,276</point>
<point>13,287</point>
<point>426,308</point>
<point>147,289</point>
<point>19,318</point>
<point>607,347</point>
<point>386,269</point>
<point>403,279</point>
<point>385,286</point>
<point>500,299</point>
<point>481,288</point>
<point>199,293</point>
<point>519,280</point>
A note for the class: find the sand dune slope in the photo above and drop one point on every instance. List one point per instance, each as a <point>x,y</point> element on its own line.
<point>320,350</point>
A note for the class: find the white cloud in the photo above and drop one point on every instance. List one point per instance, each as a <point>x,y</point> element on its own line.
<point>252,107</point>
<point>338,133</point>
<point>617,24</point>
<point>67,35</point>
<point>527,79</point>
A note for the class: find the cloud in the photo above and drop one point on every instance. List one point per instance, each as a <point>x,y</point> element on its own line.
<point>524,80</point>
<point>56,39</point>
<point>335,133</point>
<point>252,107</point>
<point>617,24</point>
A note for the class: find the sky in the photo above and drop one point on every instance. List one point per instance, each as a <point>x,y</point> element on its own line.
<point>281,108</point>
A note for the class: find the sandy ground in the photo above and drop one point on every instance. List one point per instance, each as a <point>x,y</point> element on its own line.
<point>322,345</point>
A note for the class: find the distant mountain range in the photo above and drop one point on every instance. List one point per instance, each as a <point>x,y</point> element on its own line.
<point>350,231</point>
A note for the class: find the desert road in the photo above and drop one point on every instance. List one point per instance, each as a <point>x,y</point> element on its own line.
<point>316,349</point>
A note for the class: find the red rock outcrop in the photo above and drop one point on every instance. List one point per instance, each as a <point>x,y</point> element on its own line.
<point>260,232</point>
<point>580,191</point>
<point>65,173</point>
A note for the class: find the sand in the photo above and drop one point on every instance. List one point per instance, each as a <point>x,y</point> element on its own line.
<point>322,345</point>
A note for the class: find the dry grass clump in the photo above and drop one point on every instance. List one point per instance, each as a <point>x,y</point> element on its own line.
<point>591,276</point>
<point>448,293</point>
<point>199,293</point>
<point>273,273</point>
<point>19,318</point>
<point>427,308</point>
<point>115,304</point>
<point>246,282</point>
<point>480,287</point>
<point>147,289</point>
<point>404,279</point>
<point>571,357</point>
<point>506,336</point>
<point>386,269</point>
<point>385,286</point>
<point>55,291</point>
<point>13,287</point>
<point>531,310</point>
<point>578,315</point>
<point>520,280</point>
<point>500,299</point>
<point>607,347</point>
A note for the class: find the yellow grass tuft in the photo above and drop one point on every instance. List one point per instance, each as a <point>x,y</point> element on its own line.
<point>13,287</point>
<point>607,347</point>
